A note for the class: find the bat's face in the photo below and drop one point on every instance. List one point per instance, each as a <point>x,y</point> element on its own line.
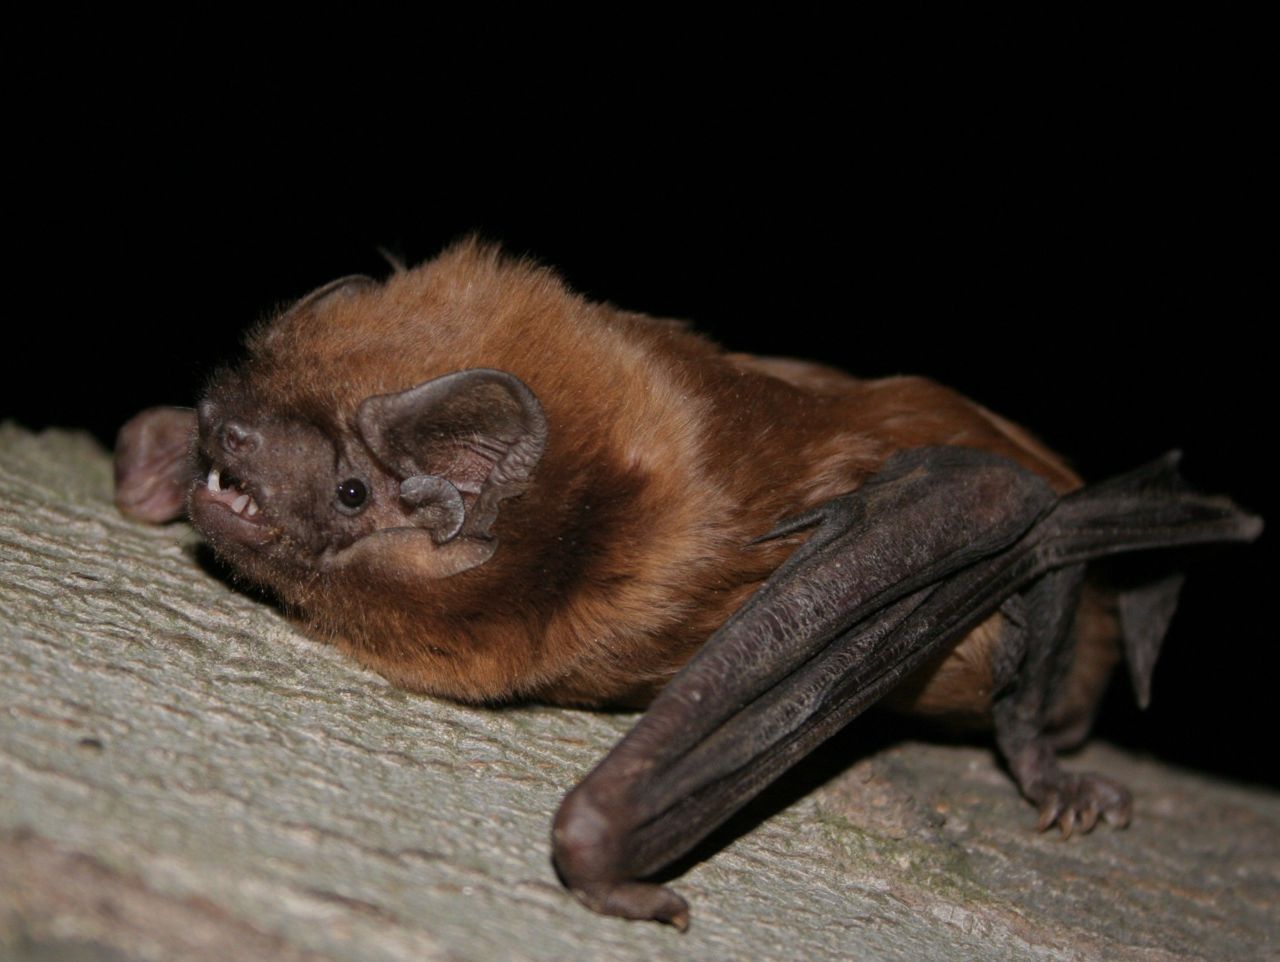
<point>278,494</point>
<point>408,482</point>
<point>358,462</point>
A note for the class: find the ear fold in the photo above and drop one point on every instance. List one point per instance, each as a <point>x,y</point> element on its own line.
<point>437,505</point>
<point>478,431</point>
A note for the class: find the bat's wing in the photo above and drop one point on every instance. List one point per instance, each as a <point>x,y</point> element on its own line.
<point>892,573</point>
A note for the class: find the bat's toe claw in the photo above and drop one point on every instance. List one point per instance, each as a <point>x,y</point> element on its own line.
<point>1051,808</point>
<point>1067,822</point>
<point>1089,817</point>
<point>1118,816</point>
<point>1076,802</point>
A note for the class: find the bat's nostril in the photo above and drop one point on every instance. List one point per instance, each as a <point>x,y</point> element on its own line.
<point>239,438</point>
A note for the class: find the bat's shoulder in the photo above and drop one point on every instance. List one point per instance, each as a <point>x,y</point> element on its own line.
<point>808,376</point>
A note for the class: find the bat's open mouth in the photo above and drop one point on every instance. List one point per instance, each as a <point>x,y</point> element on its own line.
<point>230,491</point>
<point>225,503</point>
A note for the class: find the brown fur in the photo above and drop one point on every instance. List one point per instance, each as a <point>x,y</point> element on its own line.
<point>666,456</point>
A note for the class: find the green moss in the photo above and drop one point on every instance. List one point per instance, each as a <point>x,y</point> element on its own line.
<point>940,867</point>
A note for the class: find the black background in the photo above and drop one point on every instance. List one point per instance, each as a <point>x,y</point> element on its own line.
<point>1057,218</point>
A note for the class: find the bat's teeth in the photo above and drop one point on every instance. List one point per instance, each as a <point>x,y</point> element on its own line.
<point>253,508</point>
<point>213,481</point>
<point>239,503</point>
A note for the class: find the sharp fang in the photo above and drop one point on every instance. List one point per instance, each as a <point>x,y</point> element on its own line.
<point>213,481</point>
<point>238,504</point>
<point>253,508</point>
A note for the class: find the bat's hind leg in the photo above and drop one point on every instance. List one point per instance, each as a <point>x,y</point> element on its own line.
<point>1035,659</point>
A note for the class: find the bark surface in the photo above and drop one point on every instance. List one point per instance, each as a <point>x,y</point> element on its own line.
<point>185,775</point>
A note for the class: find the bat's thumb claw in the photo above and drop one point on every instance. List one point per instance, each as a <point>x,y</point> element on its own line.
<point>588,842</point>
<point>638,900</point>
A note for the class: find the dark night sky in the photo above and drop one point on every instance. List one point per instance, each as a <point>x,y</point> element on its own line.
<point>1052,219</point>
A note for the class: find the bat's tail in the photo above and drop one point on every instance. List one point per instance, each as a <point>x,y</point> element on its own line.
<point>1152,507</point>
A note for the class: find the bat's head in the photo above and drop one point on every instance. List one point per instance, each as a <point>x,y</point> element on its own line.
<point>293,472</point>
<point>410,483</point>
<point>379,462</point>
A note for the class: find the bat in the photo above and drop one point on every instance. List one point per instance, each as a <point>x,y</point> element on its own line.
<point>485,487</point>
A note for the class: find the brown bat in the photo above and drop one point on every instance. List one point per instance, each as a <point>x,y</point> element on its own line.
<point>485,487</point>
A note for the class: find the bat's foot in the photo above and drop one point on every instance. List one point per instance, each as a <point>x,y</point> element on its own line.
<point>1076,803</point>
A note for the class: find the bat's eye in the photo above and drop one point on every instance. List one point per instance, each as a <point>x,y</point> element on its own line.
<point>352,493</point>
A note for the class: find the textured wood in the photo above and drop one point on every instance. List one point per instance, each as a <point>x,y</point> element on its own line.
<point>183,775</point>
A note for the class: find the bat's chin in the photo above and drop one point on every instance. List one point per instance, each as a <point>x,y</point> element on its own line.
<point>228,512</point>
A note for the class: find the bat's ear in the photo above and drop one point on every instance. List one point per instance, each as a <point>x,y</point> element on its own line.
<point>325,291</point>
<point>476,432</point>
<point>155,463</point>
